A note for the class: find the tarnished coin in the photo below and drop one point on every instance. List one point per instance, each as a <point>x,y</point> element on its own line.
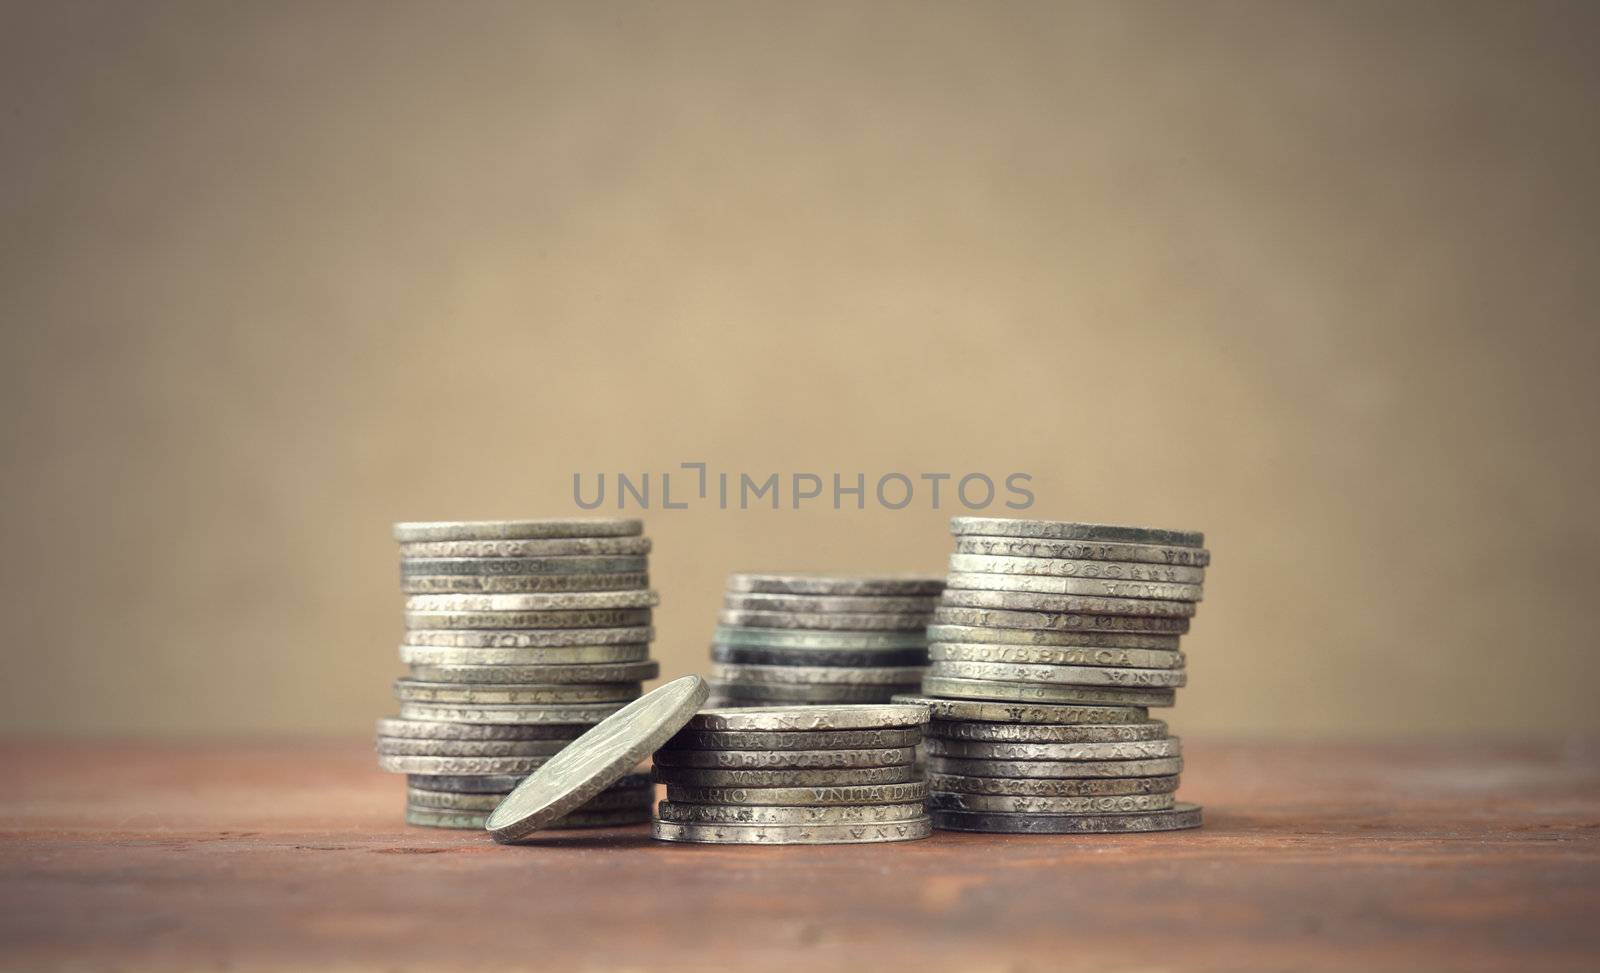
<point>411,690</point>
<point>489,530</point>
<point>1022,804</point>
<point>771,638</point>
<point>834,621</point>
<point>567,655</point>
<point>743,655</point>
<point>1155,767</point>
<point>793,739</point>
<point>800,796</point>
<point>597,759</point>
<point>1055,621</point>
<point>796,834</point>
<point>1028,601</point>
<point>974,634</point>
<point>816,675</point>
<point>429,584</point>
<point>1044,692</point>
<point>427,730</point>
<point>517,567</point>
<point>459,766</point>
<point>584,546</point>
<point>824,718</point>
<point>983,711</point>
<point>616,797</point>
<point>707,777</point>
<point>756,814</point>
<point>559,601</point>
<point>469,784</point>
<point>1050,786</point>
<point>1092,587</point>
<point>760,693</point>
<point>787,759</point>
<point>1047,733</point>
<point>1197,557</point>
<point>536,639</point>
<point>1054,655</point>
<point>406,747</point>
<point>546,675</point>
<point>844,585</point>
<point>1063,530</point>
<point>1116,750</point>
<point>1181,816</point>
<point>477,820</point>
<point>1065,675</point>
<point>567,714</point>
<point>1073,568</point>
<point>829,603</point>
<point>588,618</point>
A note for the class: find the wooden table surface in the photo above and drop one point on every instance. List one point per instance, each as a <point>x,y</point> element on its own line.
<point>257,857</point>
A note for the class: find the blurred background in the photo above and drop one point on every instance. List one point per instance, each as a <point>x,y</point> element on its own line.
<point>1317,279</point>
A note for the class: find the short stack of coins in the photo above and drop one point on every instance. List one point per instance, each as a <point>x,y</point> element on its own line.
<point>1051,642</point>
<point>520,635</point>
<point>795,638</point>
<point>784,775</point>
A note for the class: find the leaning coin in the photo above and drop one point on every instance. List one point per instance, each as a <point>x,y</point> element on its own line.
<point>828,718</point>
<point>1014,712</point>
<point>1063,530</point>
<point>1051,621</point>
<point>535,639</point>
<point>468,784</point>
<point>968,634</point>
<point>844,585</point>
<point>1054,655</point>
<point>1077,568</point>
<point>829,603</point>
<point>517,567</point>
<point>459,766</point>
<point>577,618</point>
<point>797,834</point>
<point>705,777</point>
<point>743,655</point>
<point>567,714</point>
<point>428,584</point>
<point>1065,675</point>
<point>827,693</point>
<point>1022,804</point>
<point>756,814</point>
<point>400,746</point>
<point>1050,786</point>
<point>584,546</point>
<point>426,730</point>
<point>567,655</point>
<point>1118,750</point>
<point>816,675</point>
<point>410,690</point>
<point>787,759</point>
<point>1156,767</point>
<point>559,601</point>
<point>1093,587</point>
<point>826,621</point>
<point>1180,817</point>
<point>580,673</point>
<point>800,796</point>
<point>793,739</point>
<point>1197,557</point>
<point>1030,602</point>
<point>991,689</point>
<point>772,638</point>
<point>474,530</point>
<point>1046,733</point>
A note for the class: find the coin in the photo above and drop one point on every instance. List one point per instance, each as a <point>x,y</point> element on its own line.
<point>816,675</point>
<point>787,759</point>
<point>571,655</point>
<point>1022,804</point>
<point>976,634</point>
<point>800,796</point>
<point>1076,568</point>
<point>1053,621</point>
<point>707,777</point>
<point>471,530</point>
<point>1063,530</point>
<point>1181,816</point>
<point>1094,587</point>
<point>1114,750</point>
<point>1044,692</point>
<point>1028,601</point>
<point>743,655</point>
<point>426,730</point>
<point>809,639</point>
<point>1053,655</point>
<point>613,798</point>
<point>844,585</point>
<point>756,814</point>
<point>516,567</point>
<point>586,673</point>
<point>797,834</point>
<point>410,690</point>
<point>590,618</point>
<point>834,621</point>
<point>1154,767</point>
<point>477,820</point>
<point>564,601</point>
<point>828,718</point>
<point>459,766</point>
<point>597,759</point>
<point>1046,733</point>
<point>468,784</point>
<point>1065,675</point>
<point>1050,786</point>
<point>536,639</point>
<point>1016,712</point>
<point>570,714</point>
<point>829,603</point>
<point>1197,557</point>
<point>584,546</point>
<point>759,693</point>
<point>423,584</point>
<point>402,746</point>
<point>793,739</point>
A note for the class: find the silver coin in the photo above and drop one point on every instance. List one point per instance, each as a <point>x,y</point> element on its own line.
<point>969,634</point>
<point>1022,804</point>
<point>771,638</point>
<point>836,621</point>
<point>1093,587</point>
<point>560,547</point>
<point>800,796</point>
<point>593,618</point>
<point>1047,733</point>
<point>478,820</point>
<point>991,689</point>
<point>1052,655</point>
<point>536,639</point>
<point>749,656</point>
<point>1050,786</point>
<point>873,604</point>
<point>984,711</point>
<point>1195,557</point>
<point>614,798</point>
<point>425,584</point>
<point>459,766</point>
<point>412,691</point>
<point>844,585</point>
<point>467,784</point>
<point>426,730</point>
<point>1047,621</point>
<point>546,675</point>
<point>708,777</point>
<point>821,718</point>
<point>756,814</point>
<point>1116,750</point>
<point>793,739</point>
<point>1181,816</point>
<point>405,747</point>
<point>597,759</point>
<point>559,601</point>
<point>831,693</point>
<point>1030,602</point>
<point>1052,567</point>
<point>519,567</point>
<point>787,759</point>
<point>566,714</point>
<point>488,530</point>
<point>1063,530</point>
<point>1063,675</point>
<point>1154,767</point>
<point>816,675</point>
<point>798,834</point>
<point>432,655</point>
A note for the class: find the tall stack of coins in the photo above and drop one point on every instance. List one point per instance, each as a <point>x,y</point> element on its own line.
<point>794,638</point>
<point>1051,642</point>
<point>520,635</point>
<point>808,775</point>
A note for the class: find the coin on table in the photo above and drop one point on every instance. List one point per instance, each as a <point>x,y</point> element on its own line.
<point>1054,655</point>
<point>990,689</point>
<point>787,759</point>
<point>1046,733</point>
<point>793,739</point>
<point>976,634</point>
<point>517,567</point>
<point>827,718</point>
<point>756,814</point>
<point>567,714</point>
<point>799,638</point>
<point>575,618</point>
<point>513,694</point>
<point>1119,750</point>
<point>1055,621</point>
<point>554,547</point>
<point>1179,817</point>
<point>1065,675</point>
<point>403,747</point>
<point>440,584</point>
<point>473,530</point>
<point>530,639</point>
<point>591,673</point>
<point>1065,530</point>
<point>613,798</point>
<point>1197,557</point>
<point>1155,767</point>
<point>764,694</point>
<point>558,601</point>
<point>800,796</point>
<point>1090,587</point>
<point>1028,601</point>
<point>597,759</point>
<point>1022,804</point>
<point>477,820</point>
<point>705,777</point>
<point>988,711</point>
<point>390,727</point>
<point>1077,568</point>
<point>567,655</point>
<point>749,656</point>
<point>827,621</point>
<point>796,834</point>
<point>829,603</point>
<point>1051,786</point>
<point>816,675</point>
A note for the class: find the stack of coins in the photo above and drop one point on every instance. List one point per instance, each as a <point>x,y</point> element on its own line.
<point>792,638</point>
<point>811,775</point>
<point>520,635</point>
<point>1051,641</point>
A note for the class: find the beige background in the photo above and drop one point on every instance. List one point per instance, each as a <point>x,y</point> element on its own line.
<point>1318,279</point>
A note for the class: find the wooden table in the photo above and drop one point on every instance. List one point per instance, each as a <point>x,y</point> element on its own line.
<point>293,857</point>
